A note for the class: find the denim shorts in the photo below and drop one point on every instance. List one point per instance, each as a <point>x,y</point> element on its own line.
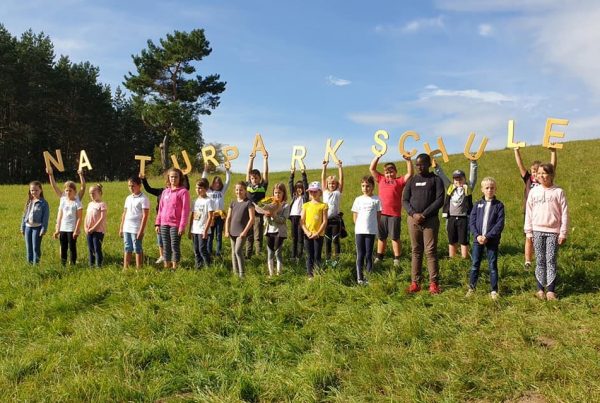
<point>131,243</point>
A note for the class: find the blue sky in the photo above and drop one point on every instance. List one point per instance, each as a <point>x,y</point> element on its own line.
<point>302,72</point>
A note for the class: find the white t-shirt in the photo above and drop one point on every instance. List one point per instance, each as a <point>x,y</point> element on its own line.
<point>296,208</point>
<point>135,206</point>
<point>69,213</point>
<point>366,208</point>
<point>202,206</point>
<point>332,199</point>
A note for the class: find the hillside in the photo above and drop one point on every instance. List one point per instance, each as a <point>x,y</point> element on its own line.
<point>103,335</point>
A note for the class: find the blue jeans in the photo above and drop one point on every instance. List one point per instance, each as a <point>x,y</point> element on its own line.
<point>94,241</point>
<point>132,244</point>
<point>217,232</point>
<point>492,257</point>
<point>33,244</point>
<point>201,252</point>
<point>364,253</point>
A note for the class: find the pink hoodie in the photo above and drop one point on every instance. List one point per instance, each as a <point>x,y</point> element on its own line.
<point>174,208</point>
<point>546,210</point>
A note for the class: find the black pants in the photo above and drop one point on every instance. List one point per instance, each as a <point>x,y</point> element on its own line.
<point>94,241</point>
<point>364,254</point>
<point>332,235</point>
<point>313,248</point>
<point>297,237</point>
<point>67,242</point>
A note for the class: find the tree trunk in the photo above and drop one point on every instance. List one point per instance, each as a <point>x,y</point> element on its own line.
<point>164,152</point>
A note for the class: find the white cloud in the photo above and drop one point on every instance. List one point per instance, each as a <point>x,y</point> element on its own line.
<point>338,82</point>
<point>431,91</point>
<point>413,26</point>
<point>497,5</point>
<point>67,46</point>
<point>485,29</point>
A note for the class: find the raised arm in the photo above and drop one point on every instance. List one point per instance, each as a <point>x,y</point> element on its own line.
<point>266,167</point>
<point>522,169</point>
<point>291,183</point>
<point>52,181</point>
<point>409,168</point>
<point>373,167</point>
<point>250,166</point>
<point>473,174</point>
<point>553,159</point>
<point>440,173</point>
<point>323,180</point>
<point>148,188</point>
<point>341,175</point>
<point>227,179</point>
<point>82,184</point>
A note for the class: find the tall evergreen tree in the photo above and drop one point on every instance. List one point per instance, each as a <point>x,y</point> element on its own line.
<point>167,95</point>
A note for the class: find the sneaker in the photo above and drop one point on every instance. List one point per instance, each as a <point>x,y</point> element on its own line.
<point>414,287</point>
<point>527,265</point>
<point>160,260</point>
<point>494,295</point>
<point>550,296</point>
<point>360,282</point>
<point>470,293</point>
<point>365,282</point>
<point>396,262</point>
<point>333,263</point>
<point>540,295</point>
<point>377,260</point>
<point>434,288</point>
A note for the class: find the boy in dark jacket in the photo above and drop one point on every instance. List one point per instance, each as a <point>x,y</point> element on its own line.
<point>486,223</point>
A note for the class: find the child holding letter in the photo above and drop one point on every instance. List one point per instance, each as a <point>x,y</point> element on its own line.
<point>217,192</point>
<point>256,188</point>
<point>276,229</point>
<point>239,223</point>
<point>68,223</point>
<point>332,196</point>
<point>299,196</point>
<point>200,223</point>
<point>95,225</point>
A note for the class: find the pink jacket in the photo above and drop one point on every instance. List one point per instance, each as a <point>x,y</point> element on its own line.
<point>546,211</point>
<point>174,208</point>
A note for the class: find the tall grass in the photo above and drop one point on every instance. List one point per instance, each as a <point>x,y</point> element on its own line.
<point>75,333</point>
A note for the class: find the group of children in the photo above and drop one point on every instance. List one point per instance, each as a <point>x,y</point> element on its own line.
<point>316,219</point>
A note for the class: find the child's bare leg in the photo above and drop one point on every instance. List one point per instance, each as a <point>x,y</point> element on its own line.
<point>396,247</point>
<point>452,250</point>
<point>126,259</point>
<point>464,251</point>
<point>139,259</point>
<point>380,246</point>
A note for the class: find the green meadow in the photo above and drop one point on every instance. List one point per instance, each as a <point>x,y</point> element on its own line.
<point>81,334</point>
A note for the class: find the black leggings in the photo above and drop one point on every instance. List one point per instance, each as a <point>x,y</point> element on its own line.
<point>364,253</point>
<point>67,242</point>
<point>332,235</point>
<point>297,237</point>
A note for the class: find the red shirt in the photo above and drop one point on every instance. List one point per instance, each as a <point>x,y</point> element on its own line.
<point>390,193</point>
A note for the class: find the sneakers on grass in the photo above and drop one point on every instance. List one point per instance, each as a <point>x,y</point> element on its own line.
<point>494,295</point>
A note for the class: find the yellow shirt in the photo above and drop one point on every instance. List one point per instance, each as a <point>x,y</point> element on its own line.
<point>313,216</point>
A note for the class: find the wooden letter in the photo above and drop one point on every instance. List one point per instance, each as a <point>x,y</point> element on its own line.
<point>186,159</point>
<point>511,136</point>
<point>440,150</point>
<point>549,133</point>
<point>479,153</point>
<point>258,146</point>
<point>230,153</point>
<point>403,138</point>
<point>142,159</point>
<point>58,162</point>
<point>84,161</point>
<point>208,155</point>
<point>331,151</point>
<point>377,138</point>
<point>299,157</point>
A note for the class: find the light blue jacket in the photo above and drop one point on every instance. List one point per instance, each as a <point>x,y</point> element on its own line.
<point>41,213</point>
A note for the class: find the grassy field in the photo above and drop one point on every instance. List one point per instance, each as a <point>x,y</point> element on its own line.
<point>81,334</point>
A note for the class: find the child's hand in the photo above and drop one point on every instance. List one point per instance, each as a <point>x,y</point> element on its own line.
<point>55,235</point>
<point>141,175</point>
<point>22,232</point>
<point>205,236</point>
<point>189,235</point>
<point>266,155</point>
<point>406,157</point>
<point>339,163</point>
<point>75,234</point>
<point>157,229</point>
<point>418,217</point>
<point>180,232</point>
<point>227,165</point>
<point>293,170</point>
<point>226,234</point>
<point>80,172</point>
<point>139,236</point>
<point>325,162</point>
<point>120,234</point>
<point>561,240</point>
<point>49,171</point>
